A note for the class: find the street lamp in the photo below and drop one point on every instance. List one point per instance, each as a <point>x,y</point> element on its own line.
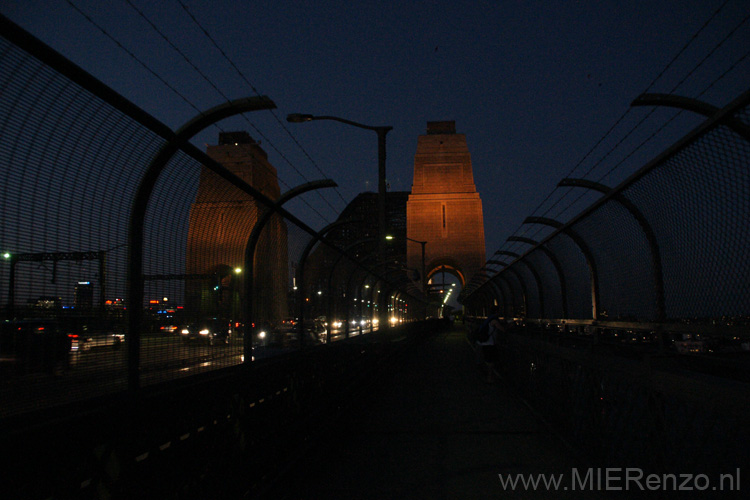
<point>424,278</point>
<point>381,131</point>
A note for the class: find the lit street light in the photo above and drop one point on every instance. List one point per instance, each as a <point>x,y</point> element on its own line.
<point>423,243</point>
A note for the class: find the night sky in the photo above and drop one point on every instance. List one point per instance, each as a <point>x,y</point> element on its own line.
<point>542,90</point>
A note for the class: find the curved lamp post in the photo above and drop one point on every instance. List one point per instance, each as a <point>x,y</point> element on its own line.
<point>381,132</point>
<point>424,277</point>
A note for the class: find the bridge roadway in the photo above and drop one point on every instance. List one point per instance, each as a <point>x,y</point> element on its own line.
<point>433,428</point>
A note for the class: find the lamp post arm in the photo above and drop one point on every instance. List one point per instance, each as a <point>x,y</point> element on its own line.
<point>379,130</point>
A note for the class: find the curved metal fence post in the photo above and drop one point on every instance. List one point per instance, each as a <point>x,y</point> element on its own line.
<point>555,262</point>
<point>581,243</point>
<point>534,273</point>
<point>252,242</point>
<point>330,284</point>
<point>301,269</point>
<point>656,265</point>
<point>135,280</point>
<point>696,106</point>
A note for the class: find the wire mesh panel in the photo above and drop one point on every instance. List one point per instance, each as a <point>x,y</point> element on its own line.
<point>71,163</point>
<point>551,285</point>
<point>278,293</point>
<point>669,245</point>
<point>624,263</point>
<point>533,301</point>
<point>698,201</point>
<point>577,275</point>
<point>132,258</point>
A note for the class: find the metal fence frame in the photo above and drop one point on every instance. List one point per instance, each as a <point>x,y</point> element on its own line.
<point>526,300</point>
<point>167,146</point>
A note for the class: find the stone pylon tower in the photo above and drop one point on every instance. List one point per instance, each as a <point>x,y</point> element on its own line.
<point>444,208</point>
<point>221,220</point>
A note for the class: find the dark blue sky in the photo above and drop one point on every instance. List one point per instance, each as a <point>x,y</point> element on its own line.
<point>534,85</point>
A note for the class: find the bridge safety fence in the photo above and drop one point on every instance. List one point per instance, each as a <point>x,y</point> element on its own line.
<point>131,258</point>
<point>631,321</point>
<point>665,251</point>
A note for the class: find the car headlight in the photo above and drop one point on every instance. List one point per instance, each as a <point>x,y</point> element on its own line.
<point>185,331</point>
<point>204,331</point>
<point>261,335</point>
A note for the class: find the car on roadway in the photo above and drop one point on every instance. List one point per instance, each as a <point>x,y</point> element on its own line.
<point>87,333</point>
<point>211,331</point>
<point>169,329</point>
<point>33,345</point>
<point>87,340</point>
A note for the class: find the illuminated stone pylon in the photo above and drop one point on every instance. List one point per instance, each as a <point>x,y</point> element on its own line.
<point>221,220</point>
<point>444,208</point>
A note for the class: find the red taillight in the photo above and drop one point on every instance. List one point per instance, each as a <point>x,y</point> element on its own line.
<point>72,336</point>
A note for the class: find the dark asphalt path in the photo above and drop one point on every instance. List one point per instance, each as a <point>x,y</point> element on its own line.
<point>432,428</point>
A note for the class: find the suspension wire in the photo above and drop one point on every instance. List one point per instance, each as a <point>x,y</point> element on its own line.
<point>653,110</point>
<point>166,83</point>
<point>133,56</point>
<point>273,112</point>
<point>224,96</point>
<point>640,122</point>
<point>524,229</point>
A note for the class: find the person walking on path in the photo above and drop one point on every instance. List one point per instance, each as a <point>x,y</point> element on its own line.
<point>489,347</point>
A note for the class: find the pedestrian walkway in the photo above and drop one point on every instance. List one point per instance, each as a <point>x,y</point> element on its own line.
<point>433,428</point>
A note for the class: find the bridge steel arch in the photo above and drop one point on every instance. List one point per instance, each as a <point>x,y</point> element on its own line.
<point>709,111</point>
